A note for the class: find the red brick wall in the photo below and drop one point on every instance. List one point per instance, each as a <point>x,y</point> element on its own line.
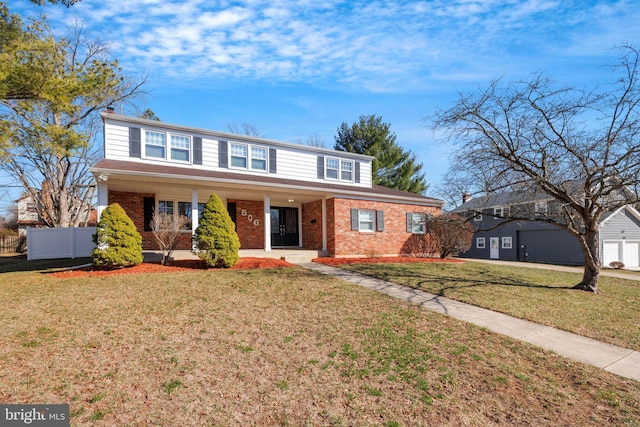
<point>312,225</point>
<point>391,241</point>
<point>251,235</point>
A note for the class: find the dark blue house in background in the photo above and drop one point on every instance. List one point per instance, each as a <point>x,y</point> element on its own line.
<point>498,237</point>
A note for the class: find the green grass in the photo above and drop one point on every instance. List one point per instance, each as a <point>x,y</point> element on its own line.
<point>543,296</point>
<point>210,347</point>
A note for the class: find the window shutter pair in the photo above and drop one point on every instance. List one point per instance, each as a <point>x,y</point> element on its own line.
<point>355,220</point>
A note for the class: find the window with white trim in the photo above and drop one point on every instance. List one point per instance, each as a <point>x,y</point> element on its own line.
<point>419,223</point>
<point>366,219</point>
<point>346,170</point>
<point>507,243</point>
<point>332,165</point>
<point>501,211</point>
<point>155,144</point>
<point>259,158</point>
<point>180,148</point>
<point>541,207</point>
<point>480,244</point>
<point>239,156</point>
<point>184,208</point>
<point>477,216</point>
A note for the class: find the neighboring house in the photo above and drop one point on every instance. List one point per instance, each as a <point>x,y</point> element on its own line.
<point>278,194</point>
<point>28,215</point>
<point>539,241</point>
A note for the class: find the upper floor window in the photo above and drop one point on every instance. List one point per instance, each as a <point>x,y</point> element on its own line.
<point>180,148</point>
<point>477,216</point>
<point>245,156</point>
<point>259,158</point>
<point>338,169</point>
<point>239,156</point>
<point>154,144</point>
<point>541,207</point>
<point>501,212</point>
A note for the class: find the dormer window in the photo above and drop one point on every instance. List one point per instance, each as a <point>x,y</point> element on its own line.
<point>239,156</point>
<point>245,156</point>
<point>180,148</point>
<point>155,146</point>
<point>332,168</point>
<point>337,169</point>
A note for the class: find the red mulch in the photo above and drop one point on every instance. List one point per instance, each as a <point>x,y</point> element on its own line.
<point>175,266</point>
<point>343,261</point>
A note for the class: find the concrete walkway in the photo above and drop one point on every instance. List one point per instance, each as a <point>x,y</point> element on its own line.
<point>618,360</point>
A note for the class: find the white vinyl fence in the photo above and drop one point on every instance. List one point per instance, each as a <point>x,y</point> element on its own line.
<point>49,243</point>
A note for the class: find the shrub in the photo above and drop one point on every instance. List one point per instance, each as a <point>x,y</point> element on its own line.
<point>118,242</point>
<point>216,240</point>
<point>167,229</point>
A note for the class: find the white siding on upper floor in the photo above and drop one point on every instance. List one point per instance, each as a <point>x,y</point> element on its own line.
<point>292,161</point>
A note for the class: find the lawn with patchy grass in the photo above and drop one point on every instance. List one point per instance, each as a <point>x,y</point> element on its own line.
<point>543,296</point>
<point>278,347</point>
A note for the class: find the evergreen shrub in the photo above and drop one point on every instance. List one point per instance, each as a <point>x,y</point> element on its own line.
<point>216,240</point>
<point>118,242</point>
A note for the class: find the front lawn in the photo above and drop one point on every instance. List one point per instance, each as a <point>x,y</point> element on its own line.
<point>278,347</point>
<point>543,296</point>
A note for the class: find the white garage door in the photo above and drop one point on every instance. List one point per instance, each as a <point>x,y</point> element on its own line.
<point>621,250</point>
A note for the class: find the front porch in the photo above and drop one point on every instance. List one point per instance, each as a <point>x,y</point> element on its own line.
<point>291,255</point>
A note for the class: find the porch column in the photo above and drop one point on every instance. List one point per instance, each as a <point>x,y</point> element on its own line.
<point>324,224</point>
<point>195,215</point>
<point>103,197</point>
<point>267,222</point>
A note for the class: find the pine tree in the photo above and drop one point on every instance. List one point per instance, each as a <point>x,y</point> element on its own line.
<point>118,242</point>
<point>393,167</point>
<point>215,238</point>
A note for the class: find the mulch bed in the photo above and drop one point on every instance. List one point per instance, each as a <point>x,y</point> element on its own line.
<point>343,261</point>
<point>175,266</point>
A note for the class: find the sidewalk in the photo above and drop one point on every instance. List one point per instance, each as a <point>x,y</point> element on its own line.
<point>617,360</point>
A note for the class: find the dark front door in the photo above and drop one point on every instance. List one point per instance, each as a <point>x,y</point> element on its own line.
<point>284,227</point>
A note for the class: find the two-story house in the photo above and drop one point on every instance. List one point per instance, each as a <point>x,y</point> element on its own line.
<point>280,195</point>
<point>498,236</point>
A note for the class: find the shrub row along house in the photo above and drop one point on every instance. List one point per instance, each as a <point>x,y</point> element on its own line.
<point>279,195</point>
<point>503,232</point>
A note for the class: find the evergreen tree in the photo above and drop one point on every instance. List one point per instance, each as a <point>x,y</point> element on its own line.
<point>393,167</point>
<point>118,242</point>
<point>215,238</point>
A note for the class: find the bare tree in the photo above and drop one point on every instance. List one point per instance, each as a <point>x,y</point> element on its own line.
<point>167,229</point>
<point>245,128</point>
<point>451,234</point>
<point>578,148</point>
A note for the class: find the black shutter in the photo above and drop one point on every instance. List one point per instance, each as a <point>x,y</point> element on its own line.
<point>355,220</point>
<point>223,157</point>
<point>409,222</point>
<point>197,150</point>
<point>320,167</point>
<point>149,207</point>
<point>357,173</point>
<point>231,208</point>
<point>135,143</point>
<point>272,160</point>
<point>379,220</point>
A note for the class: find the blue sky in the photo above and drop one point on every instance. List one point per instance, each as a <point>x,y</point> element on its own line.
<point>297,68</point>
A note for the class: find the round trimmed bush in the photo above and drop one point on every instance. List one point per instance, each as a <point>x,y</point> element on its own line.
<point>118,242</point>
<point>216,240</point>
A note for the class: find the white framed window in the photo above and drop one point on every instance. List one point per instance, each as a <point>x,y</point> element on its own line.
<point>259,158</point>
<point>346,170</point>
<point>155,144</point>
<point>477,216</point>
<point>541,207</point>
<point>419,223</point>
<point>239,156</point>
<point>331,167</point>
<point>366,219</point>
<point>165,207</point>
<point>184,208</point>
<point>507,243</point>
<point>480,243</point>
<point>501,211</point>
<point>180,148</point>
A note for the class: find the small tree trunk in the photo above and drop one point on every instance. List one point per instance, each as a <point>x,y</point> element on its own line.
<point>591,263</point>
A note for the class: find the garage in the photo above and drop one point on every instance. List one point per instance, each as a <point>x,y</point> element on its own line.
<point>628,252</point>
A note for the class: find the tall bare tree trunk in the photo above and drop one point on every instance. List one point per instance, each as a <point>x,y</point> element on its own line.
<point>592,262</point>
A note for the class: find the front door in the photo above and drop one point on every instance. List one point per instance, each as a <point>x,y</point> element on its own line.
<point>284,227</point>
<point>494,248</point>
